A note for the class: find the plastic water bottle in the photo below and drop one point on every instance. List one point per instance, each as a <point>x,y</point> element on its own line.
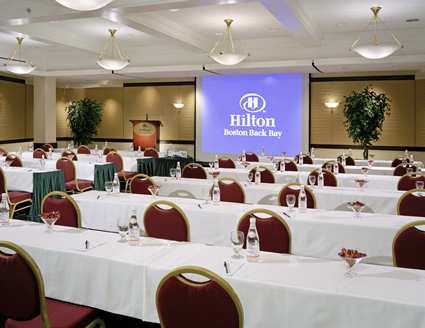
<point>302,199</point>
<point>312,152</point>
<point>42,162</point>
<point>321,179</point>
<point>50,154</point>
<point>133,229</point>
<point>406,153</point>
<point>243,157</point>
<point>263,152</point>
<point>4,210</point>
<point>282,165</point>
<point>96,149</point>
<point>139,151</point>
<point>257,177</point>
<point>336,168</point>
<point>300,159</point>
<point>215,193</point>
<point>343,160</point>
<point>116,184</point>
<point>68,147</point>
<point>178,171</point>
<point>30,148</point>
<point>252,241</point>
<point>216,161</point>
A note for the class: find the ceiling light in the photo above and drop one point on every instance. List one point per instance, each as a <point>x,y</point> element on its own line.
<point>224,51</point>
<point>16,62</point>
<point>111,57</point>
<point>332,104</point>
<point>84,5</point>
<point>376,49</point>
<point>178,105</point>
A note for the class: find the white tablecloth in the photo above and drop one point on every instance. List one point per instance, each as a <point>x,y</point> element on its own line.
<point>329,198</point>
<point>279,291</point>
<point>317,233</point>
<point>20,178</point>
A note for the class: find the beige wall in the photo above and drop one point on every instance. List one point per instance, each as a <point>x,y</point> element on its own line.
<point>420,113</point>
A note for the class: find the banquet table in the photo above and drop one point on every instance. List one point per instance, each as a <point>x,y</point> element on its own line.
<point>278,290</point>
<point>38,182</point>
<point>317,233</point>
<point>329,198</point>
<point>160,166</point>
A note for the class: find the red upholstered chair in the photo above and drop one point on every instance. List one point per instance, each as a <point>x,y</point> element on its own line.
<point>273,231</point>
<point>67,207</point>
<point>409,246</point>
<point>290,165</point>
<point>267,176</point>
<point>114,157</point>
<point>38,153</point>
<point>294,189</point>
<point>70,155</point>
<point>408,181</point>
<point>14,160</point>
<point>402,169</point>
<point>306,159</point>
<point>18,200</point>
<point>341,168</point>
<point>231,190</point>
<point>397,161</point>
<point>151,152</point>
<point>166,220</point>
<point>23,302</point>
<point>3,152</point>
<point>139,184</point>
<point>212,303</point>
<point>72,184</point>
<point>329,178</point>
<point>46,147</point>
<point>349,161</point>
<point>107,150</point>
<point>83,149</point>
<point>194,171</point>
<point>412,203</point>
<point>226,163</point>
<point>251,157</point>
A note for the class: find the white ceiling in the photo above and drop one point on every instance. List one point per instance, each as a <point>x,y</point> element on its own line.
<point>171,38</point>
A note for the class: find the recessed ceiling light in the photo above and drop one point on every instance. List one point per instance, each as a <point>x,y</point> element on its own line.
<point>173,10</point>
<point>412,20</point>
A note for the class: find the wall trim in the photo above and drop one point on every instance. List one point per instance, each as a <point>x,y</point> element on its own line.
<point>12,79</point>
<point>363,78</point>
<point>394,148</point>
<point>157,84</point>
<point>180,142</point>
<point>16,140</point>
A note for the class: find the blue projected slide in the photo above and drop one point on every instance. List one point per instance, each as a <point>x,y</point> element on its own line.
<point>249,112</point>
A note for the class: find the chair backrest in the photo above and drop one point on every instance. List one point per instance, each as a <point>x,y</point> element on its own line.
<point>272,229</point>
<point>349,161</point>
<point>3,183</point>
<point>409,246</point>
<point>226,163</point>
<point>3,152</point>
<point>14,160</point>
<point>290,165</point>
<point>402,169</point>
<point>251,157</point>
<point>46,147</point>
<point>412,203</point>
<point>38,153</point>
<point>341,168</point>
<point>67,166</point>
<point>400,160</point>
<point>151,152</point>
<point>330,179</point>
<point>21,285</point>
<point>231,190</point>
<point>107,150</point>
<point>194,171</point>
<point>408,181</point>
<point>210,303</point>
<point>166,220</point>
<point>67,207</point>
<point>306,159</point>
<point>83,149</point>
<point>70,154</point>
<point>114,157</point>
<point>139,184</point>
<point>267,176</point>
<point>294,189</point>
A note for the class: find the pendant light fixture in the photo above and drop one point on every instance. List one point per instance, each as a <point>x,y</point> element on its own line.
<point>111,57</point>
<point>84,5</point>
<point>377,48</point>
<point>224,51</point>
<point>16,63</point>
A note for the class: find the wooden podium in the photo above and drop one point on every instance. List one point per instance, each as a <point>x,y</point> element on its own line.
<point>146,134</point>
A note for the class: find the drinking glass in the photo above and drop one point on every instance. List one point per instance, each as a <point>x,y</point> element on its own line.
<point>154,189</point>
<point>211,164</point>
<point>50,219</point>
<point>290,200</point>
<point>237,238</point>
<point>420,184</point>
<point>409,169</point>
<point>312,180</point>
<point>108,187</point>
<point>173,172</point>
<point>122,224</point>
<point>250,177</point>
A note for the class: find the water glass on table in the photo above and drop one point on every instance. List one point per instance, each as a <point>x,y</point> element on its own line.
<point>173,172</point>
<point>290,201</point>
<point>122,224</point>
<point>312,180</point>
<point>419,184</point>
<point>237,238</point>
<point>108,187</point>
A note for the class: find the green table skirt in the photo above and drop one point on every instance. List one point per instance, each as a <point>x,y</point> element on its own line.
<point>43,183</point>
<point>160,166</point>
<point>103,173</point>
